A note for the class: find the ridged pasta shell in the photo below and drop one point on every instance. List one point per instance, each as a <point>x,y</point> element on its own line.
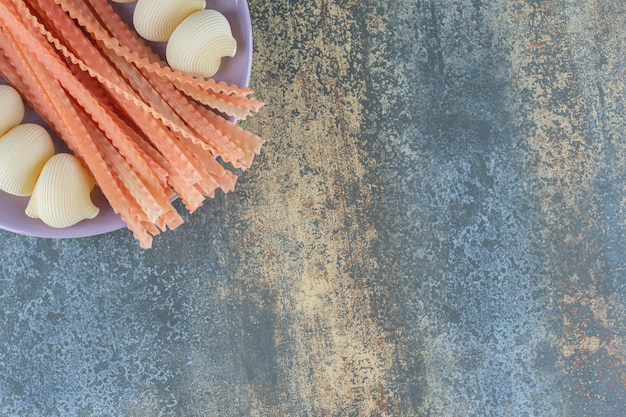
<point>11,108</point>
<point>199,43</point>
<point>23,152</point>
<point>155,20</point>
<point>62,194</point>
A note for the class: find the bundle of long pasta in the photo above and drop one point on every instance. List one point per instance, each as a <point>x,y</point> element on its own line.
<point>136,124</point>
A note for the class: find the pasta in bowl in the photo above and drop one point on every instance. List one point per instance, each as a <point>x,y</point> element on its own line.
<point>233,71</point>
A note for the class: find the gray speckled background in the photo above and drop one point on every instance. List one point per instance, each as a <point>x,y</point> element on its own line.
<point>435,227</point>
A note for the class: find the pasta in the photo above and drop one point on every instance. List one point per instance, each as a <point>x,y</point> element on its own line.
<point>117,107</point>
<point>23,152</point>
<point>61,197</point>
<point>155,20</point>
<point>199,43</point>
<point>11,108</point>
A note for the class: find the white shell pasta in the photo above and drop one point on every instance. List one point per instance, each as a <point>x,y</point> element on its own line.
<point>199,43</point>
<point>23,152</point>
<point>155,20</point>
<point>11,108</point>
<point>62,194</point>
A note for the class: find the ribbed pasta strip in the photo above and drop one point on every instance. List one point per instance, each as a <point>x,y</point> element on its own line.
<point>140,54</point>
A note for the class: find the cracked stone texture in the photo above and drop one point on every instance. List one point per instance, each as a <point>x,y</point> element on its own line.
<point>435,227</point>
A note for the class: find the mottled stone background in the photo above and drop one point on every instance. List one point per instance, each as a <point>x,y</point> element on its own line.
<point>435,228</point>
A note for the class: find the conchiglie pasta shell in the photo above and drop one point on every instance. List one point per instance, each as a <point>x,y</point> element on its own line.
<point>199,43</point>
<point>62,194</point>
<point>11,108</point>
<point>23,152</point>
<point>155,20</point>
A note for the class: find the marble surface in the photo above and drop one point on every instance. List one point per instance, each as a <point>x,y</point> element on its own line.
<point>435,227</point>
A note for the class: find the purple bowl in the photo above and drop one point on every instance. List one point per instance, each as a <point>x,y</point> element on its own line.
<point>234,70</point>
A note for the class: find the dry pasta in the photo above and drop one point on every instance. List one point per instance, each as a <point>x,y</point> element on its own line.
<point>61,197</point>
